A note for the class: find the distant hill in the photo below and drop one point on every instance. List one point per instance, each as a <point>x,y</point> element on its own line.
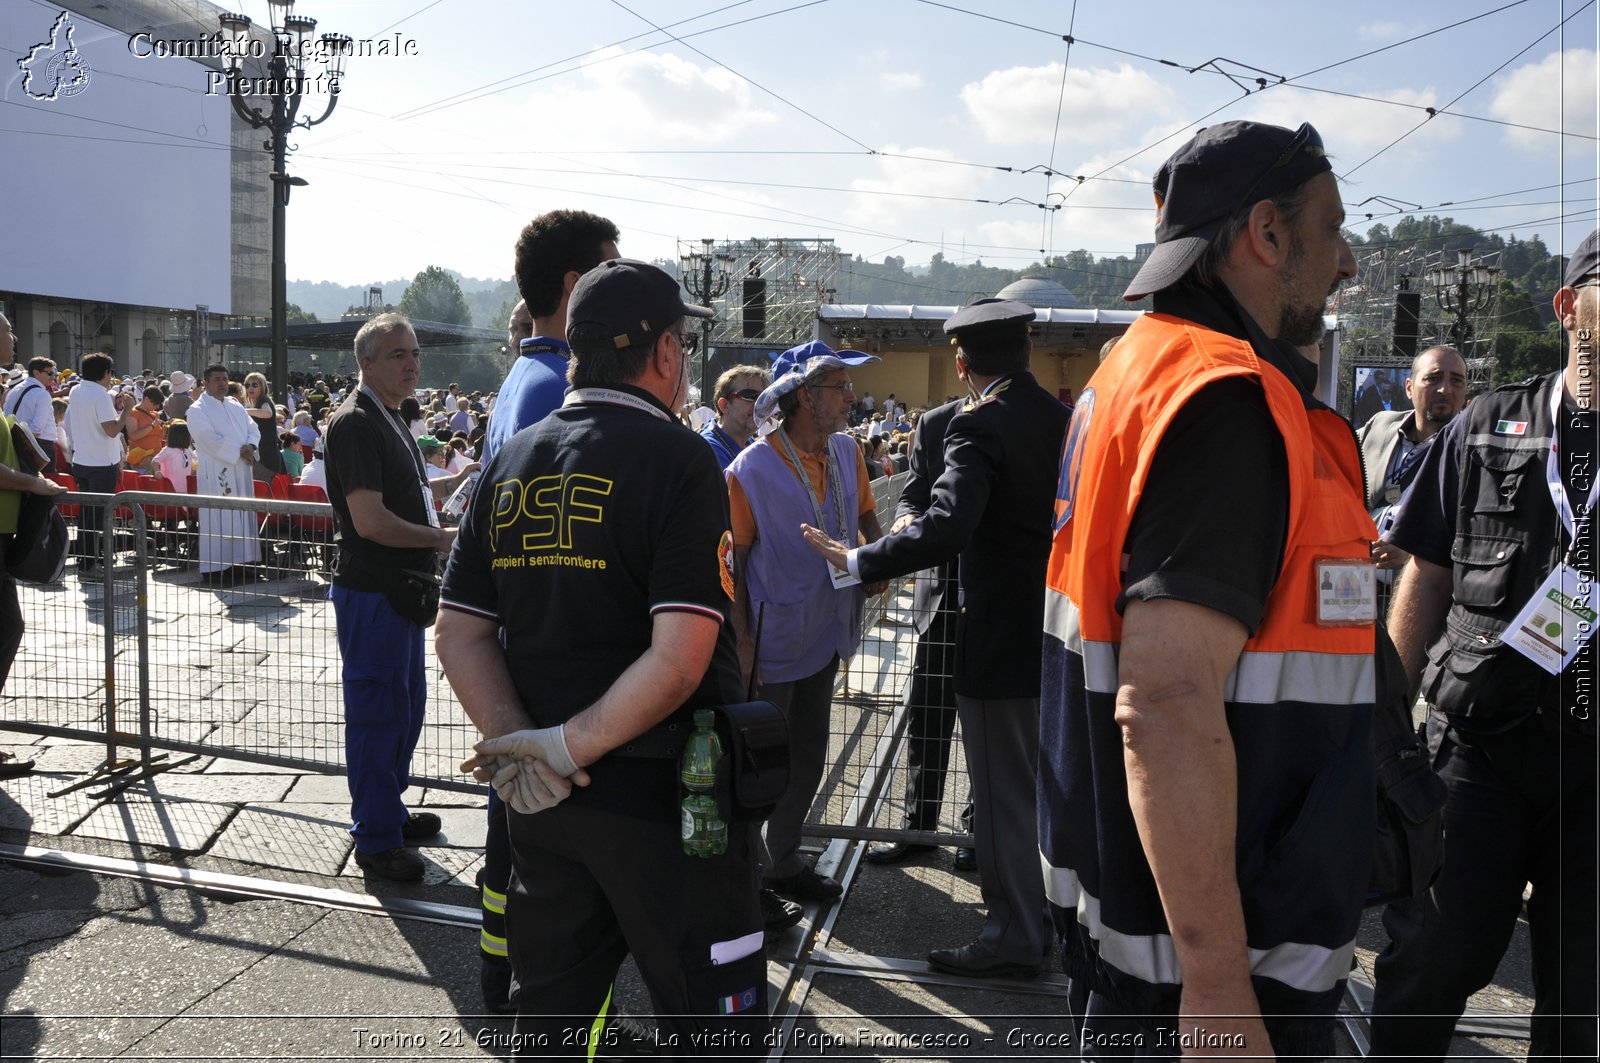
<point>329,301</point>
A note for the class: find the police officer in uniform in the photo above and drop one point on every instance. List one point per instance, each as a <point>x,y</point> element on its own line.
<point>992,507</point>
<point>1489,615</point>
<point>613,518</point>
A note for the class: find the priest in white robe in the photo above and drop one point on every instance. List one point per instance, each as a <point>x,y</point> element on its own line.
<point>225,441</point>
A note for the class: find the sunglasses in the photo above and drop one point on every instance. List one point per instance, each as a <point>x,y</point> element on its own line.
<point>748,395</point>
<point>1306,139</point>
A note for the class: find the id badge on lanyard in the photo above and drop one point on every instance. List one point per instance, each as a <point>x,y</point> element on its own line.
<point>1559,620</point>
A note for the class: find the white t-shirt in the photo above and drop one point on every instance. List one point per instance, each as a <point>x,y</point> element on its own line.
<point>89,407</point>
<point>315,474</point>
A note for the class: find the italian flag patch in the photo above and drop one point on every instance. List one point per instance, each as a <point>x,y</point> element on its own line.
<point>737,1003</point>
<point>1510,428</point>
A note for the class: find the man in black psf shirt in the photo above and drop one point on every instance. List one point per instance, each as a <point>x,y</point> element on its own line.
<point>585,610</point>
<point>1500,589</point>
<point>388,539</point>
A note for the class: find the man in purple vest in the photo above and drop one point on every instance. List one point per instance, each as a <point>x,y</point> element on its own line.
<point>808,615</point>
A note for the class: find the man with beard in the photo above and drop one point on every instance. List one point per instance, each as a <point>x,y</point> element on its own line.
<point>1206,781</point>
<point>1394,441</point>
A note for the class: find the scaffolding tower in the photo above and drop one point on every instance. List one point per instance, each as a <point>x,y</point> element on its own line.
<point>765,291</point>
<point>1367,307</point>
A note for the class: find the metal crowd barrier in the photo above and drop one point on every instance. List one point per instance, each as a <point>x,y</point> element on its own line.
<point>143,655</point>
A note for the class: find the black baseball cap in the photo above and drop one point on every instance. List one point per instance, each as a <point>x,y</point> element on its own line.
<point>1221,169</point>
<point>627,302</point>
<point>1583,268</point>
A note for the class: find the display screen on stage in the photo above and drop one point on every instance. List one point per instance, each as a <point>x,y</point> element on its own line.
<point>1377,388</point>
<point>115,184</point>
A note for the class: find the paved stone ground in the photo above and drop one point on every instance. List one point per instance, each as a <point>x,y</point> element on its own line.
<point>104,967</point>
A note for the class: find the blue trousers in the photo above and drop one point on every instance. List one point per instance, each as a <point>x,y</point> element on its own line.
<point>385,696</point>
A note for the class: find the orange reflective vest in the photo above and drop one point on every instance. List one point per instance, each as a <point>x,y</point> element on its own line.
<point>1299,702</point>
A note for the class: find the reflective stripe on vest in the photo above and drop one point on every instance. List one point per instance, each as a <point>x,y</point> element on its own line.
<point>1153,958</point>
<point>1260,677</point>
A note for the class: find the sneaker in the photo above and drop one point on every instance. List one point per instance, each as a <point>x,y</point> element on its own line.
<point>420,826</point>
<point>777,913</point>
<point>806,885</point>
<point>396,865</point>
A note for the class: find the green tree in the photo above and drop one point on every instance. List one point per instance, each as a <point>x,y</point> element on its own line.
<point>296,316</point>
<point>434,295</point>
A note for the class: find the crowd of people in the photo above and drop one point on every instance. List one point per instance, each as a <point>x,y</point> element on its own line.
<point>1163,604</point>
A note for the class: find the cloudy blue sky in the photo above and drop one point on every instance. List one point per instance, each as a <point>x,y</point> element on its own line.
<point>910,128</point>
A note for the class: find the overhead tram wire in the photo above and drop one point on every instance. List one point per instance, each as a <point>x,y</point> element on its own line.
<point>1047,222</point>
<point>408,18</point>
<point>1472,88</point>
<point>748,79</point>
<point>494,88</point>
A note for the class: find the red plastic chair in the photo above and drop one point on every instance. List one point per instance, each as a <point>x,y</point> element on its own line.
<point>280,485</point>
<point>65,479</point>
<point>314,533</point>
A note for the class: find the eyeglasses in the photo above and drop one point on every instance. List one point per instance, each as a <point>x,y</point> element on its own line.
<point>1305,139</point>
<point>846,386</point>
<point>748,395</point>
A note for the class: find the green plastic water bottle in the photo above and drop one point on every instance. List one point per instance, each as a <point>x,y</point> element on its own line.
<point>704,832</point>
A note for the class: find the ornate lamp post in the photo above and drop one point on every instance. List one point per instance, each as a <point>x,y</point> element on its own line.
<point>1464,290</point>
<point>706,276</point>
<point>280,94</point>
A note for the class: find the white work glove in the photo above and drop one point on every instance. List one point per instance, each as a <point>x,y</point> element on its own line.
<point>529,769</point>
<point>530,786</point>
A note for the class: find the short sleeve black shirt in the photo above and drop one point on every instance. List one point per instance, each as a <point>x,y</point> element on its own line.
<point>584,527</point>
<point>1213,517</point>
<point>363,453</point>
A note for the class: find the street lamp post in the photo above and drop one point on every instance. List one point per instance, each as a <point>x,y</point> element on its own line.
<point>1462,291</point>
<point>282,90</point>
<point>706,276</point>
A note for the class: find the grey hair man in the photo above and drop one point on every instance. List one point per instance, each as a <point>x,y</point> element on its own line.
<point>385,591</point>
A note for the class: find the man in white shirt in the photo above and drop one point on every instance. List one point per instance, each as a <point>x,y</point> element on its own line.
<point>95,421</point>
<point>225,440</point>
<point>29,402</point>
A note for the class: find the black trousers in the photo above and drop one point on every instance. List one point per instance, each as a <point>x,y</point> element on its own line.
<point>96,479</point>
<point>10,618</point>
<point>1521,809</point>
<point>590,886</point>
<point>931,719</point>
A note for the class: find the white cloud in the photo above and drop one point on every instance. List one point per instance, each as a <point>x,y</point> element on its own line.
<point>1018,105</point>
<point>1353,128</point>
<point>921,176</point>
<point>645,100</point>
<point>1528,95</point>
<point>901,82</point>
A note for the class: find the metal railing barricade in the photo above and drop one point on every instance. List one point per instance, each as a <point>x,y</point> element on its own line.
<point>143,656</point>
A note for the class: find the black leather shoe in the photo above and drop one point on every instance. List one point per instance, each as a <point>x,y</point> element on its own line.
<point>894,852</point>
<point>976,961</point>
<point>807,884</point>
<point>966,859</point>
<point>420,826</point>
<point>396,865</point>
<point>777,913</point>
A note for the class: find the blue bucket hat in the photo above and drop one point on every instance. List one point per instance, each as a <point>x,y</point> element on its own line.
<point>792,368</point>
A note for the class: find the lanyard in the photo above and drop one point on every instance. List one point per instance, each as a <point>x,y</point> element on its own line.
<point>1552,469</point>
<point>830,472</point>
<point>542,345</point>
<point>404,434</point>
<point>582,396</point>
